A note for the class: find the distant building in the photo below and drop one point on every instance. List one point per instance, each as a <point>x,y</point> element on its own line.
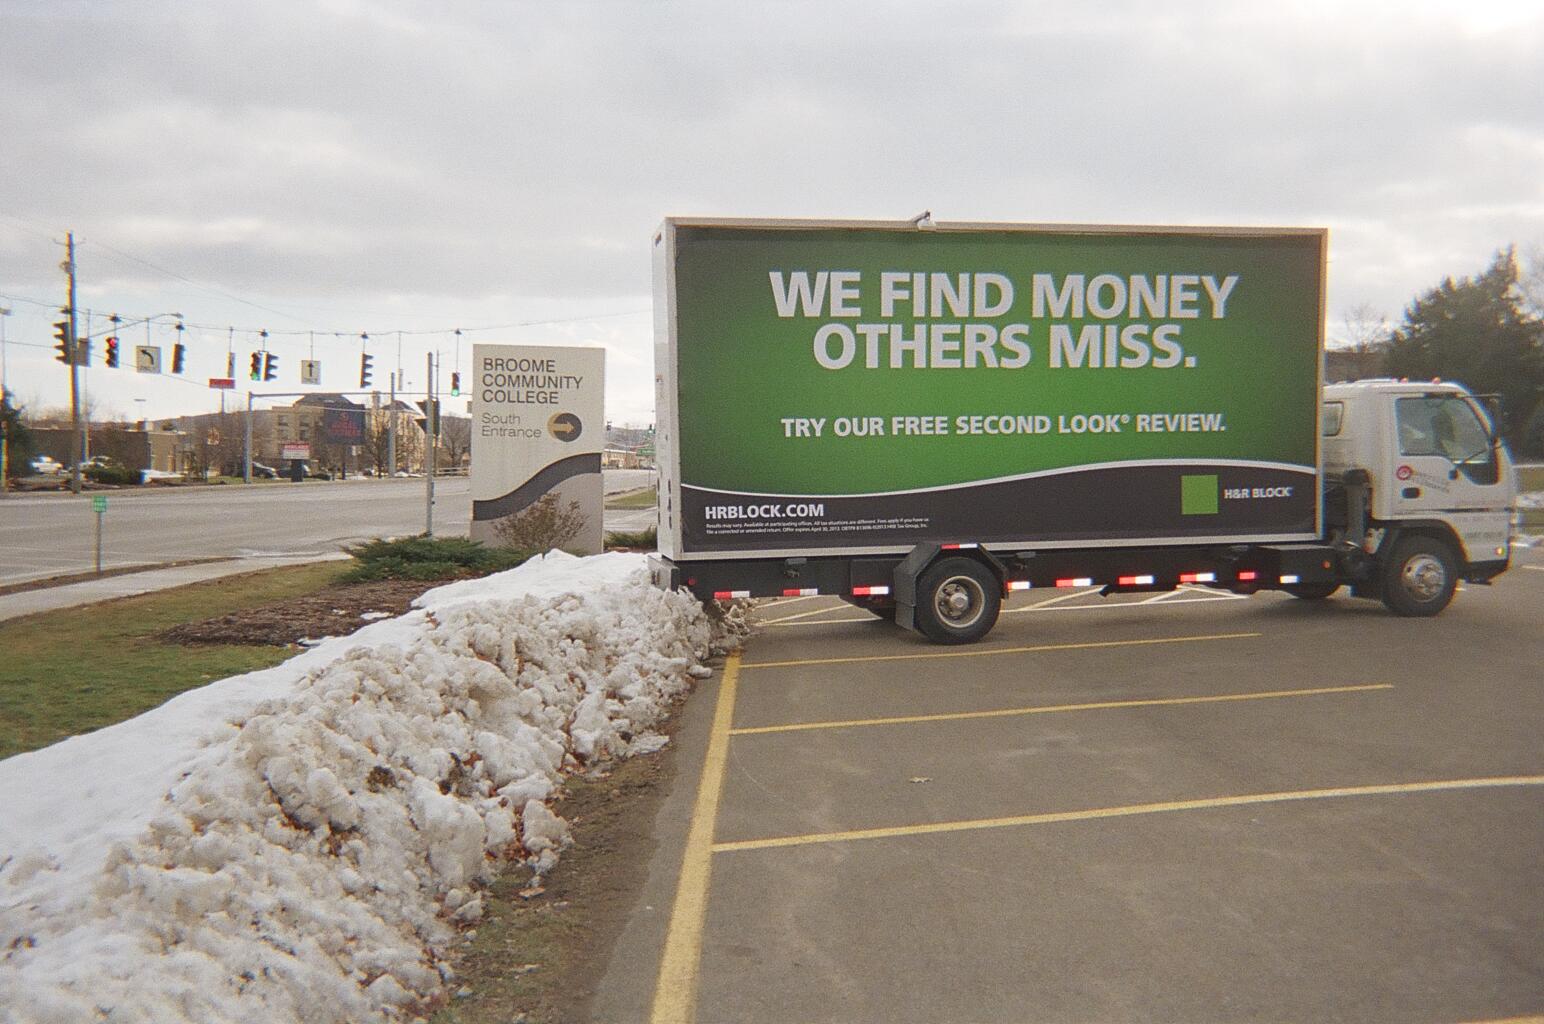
<point>133,446</point>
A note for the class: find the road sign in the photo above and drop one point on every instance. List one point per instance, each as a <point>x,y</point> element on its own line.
<point>147,358</point>
<point>310,371</point>
<point>295,450</point>
<point>99,503</point>
<point>223,383</point>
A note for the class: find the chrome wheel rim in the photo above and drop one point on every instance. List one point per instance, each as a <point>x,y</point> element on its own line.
<point>959,602</point>
<point>1424,577</point>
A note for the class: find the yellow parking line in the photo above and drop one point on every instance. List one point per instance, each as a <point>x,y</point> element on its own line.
<point>1126,812</point>
<point>675,992</point>
<point>982,653</point>
<point>1044,709</point>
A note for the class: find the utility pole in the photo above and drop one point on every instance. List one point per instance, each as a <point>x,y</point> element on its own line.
<point>247,471</point>
<point>431,438</point>
<point>391,430</point>
<point>5,420</point>
<point>74,345</point>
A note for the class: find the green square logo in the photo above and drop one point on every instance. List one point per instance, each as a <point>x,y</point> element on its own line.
<point>1198,495</point>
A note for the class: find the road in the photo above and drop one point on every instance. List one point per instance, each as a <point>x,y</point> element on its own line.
<point>1189,808</point>
<point>44,535</point>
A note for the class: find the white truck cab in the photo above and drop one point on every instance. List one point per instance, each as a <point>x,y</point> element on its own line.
<point>1418,479</point>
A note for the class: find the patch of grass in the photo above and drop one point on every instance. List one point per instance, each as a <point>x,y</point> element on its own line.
<point>76,670</point>
<point>1529,479</point>
<point>648,539</point>
<point>646,498</point>
<point>538,960</point>
<point>428,558</point>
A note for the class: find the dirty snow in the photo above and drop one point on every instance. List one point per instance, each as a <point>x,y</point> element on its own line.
<point>301,843</point>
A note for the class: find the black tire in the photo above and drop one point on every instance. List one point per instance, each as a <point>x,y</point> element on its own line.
<point>1419,577</point>
<point>958,600</point>
<point>1311,591</point>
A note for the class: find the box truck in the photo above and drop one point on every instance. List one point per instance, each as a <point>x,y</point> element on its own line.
<point>923,418</point>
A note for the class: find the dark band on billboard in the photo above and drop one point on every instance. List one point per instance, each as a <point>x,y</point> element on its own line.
<point>532,490</point>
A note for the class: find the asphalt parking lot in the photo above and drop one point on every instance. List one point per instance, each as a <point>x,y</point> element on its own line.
<point>1191,807</point>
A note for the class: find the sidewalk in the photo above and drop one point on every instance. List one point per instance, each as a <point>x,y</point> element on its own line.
<point>70,595</point>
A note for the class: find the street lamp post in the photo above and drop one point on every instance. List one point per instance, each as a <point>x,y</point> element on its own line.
<point>5,421</point>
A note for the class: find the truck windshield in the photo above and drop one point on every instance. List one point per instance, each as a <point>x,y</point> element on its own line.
<point>1447,426</point>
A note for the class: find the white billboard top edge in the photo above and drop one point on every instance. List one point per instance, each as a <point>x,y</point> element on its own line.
<point>798,224</point>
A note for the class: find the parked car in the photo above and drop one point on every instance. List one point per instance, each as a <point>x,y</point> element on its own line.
<point>266,472</point>
<point>44,465</point>
<point>151,475</point>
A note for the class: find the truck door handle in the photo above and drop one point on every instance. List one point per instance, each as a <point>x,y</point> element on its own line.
<point>1410,492</point>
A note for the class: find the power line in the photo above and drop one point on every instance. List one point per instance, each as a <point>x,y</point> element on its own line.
<point>343,335</point>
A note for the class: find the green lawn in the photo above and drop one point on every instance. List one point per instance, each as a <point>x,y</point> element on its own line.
<point>1531,479</point>
<point>79,669</point>
<point>646,498</point>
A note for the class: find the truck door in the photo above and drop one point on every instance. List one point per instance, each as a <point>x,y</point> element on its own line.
<point>1448,467</point>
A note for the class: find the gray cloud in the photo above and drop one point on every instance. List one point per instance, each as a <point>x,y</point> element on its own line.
<point>511,160</point>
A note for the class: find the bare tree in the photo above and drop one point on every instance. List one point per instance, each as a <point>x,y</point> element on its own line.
<point>456,438</point>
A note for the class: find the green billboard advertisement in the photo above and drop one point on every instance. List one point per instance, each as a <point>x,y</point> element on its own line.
<point>867,387</point>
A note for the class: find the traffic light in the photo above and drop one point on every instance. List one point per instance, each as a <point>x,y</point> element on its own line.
<point>455,385</point>
<point>66,344</point>
<point>257,366</point>
<point>364,370</point>
<point>179,350</point>
<point>270,366</point>
<point>112,351</point>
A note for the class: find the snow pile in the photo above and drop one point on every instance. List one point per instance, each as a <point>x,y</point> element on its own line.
<point>299,844</point>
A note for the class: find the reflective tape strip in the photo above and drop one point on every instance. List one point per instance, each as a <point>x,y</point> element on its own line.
<point>1018,584</point>
<point>807,592</point>
<point>1135,581</point>
<point>1289,579</point>
<point>1248,575</point>
<point>1081,581</point>
<point>958,547</point>
<point>1198,577</point>
<point>870,591</point>
<point>730,595</point>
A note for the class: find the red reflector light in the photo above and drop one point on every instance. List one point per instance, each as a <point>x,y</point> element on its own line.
<point>1248,575</point>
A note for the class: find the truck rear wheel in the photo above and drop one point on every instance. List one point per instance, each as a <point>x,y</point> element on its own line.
<point>958,601</point>
<point>1419,577</point>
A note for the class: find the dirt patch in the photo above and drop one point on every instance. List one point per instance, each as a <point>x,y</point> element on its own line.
<point>537,958</point>
<point>335,611</point>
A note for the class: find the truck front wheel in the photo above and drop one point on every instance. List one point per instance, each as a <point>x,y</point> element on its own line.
<point>958,600</point>
<point>1419,577</point>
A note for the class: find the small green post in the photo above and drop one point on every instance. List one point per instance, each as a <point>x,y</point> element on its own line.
<point>99,506</point>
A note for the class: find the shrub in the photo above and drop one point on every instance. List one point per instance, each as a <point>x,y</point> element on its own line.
<point>542,525</point>
<point>428,558</point>
<point>112,475</point>
<point>646,540</point>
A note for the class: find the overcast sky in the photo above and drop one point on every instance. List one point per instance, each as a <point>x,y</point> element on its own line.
<point>350,166</point>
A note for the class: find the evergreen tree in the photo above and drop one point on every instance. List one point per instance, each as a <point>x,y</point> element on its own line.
<point>19,438</point>
<point>1475,331</point>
